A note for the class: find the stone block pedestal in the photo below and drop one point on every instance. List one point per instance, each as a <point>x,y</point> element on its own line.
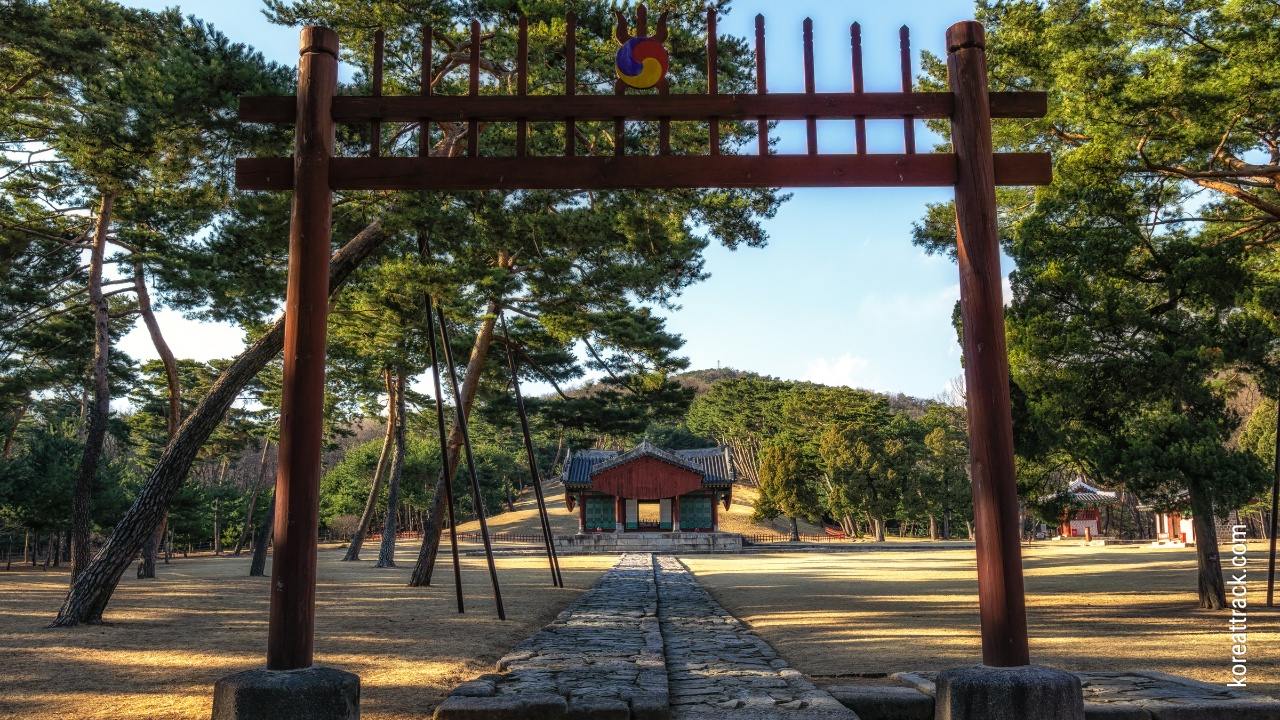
<point>314,693</point>
<point>1028,692</point>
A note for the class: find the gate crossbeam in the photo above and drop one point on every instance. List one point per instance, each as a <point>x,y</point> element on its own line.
<point>641,173</point>
<point>972,168</point>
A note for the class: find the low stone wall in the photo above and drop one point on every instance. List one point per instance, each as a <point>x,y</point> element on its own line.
<point>656,542</point>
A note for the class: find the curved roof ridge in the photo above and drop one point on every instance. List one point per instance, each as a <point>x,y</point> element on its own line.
<point>647,448</point>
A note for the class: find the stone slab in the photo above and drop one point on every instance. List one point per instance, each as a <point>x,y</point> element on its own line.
<point>717,668</point>
<point>1028,692</point>
<point>884,702</point>
<point>532,706</point>
<point>314,693</point>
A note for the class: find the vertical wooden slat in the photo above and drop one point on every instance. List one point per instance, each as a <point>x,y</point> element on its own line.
<point>762,123</point>
<point>473,89</point>
<point>664,87</point>
<point>1001,596</point>
<point>642,21</point>
<point>424,124</point>
<point>713,76</point>
<point>811,122</point>
<point>619,124</point>
<point>291,616</point>
<point>570,77</point>
<point>522,84</point>
<point>379,46</point>
<point>860,123</point>
<point>908,122</point>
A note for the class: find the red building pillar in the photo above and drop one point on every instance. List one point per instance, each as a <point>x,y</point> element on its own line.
<point>675,514</point>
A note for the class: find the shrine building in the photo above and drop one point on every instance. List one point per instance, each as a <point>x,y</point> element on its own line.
<point>660,498</point>
<point>1084,521</point>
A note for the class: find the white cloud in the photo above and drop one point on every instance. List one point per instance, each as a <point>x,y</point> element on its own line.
<point>847,369</point>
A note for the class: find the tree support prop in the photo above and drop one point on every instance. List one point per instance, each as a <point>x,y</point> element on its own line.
<point>444,442</point>
<point>556,578</point>
<point>476,501</point>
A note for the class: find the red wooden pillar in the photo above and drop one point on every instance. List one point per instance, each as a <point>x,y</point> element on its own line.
<point>1002,605</point>
<point>290,638</point>
<point>675,514</point>
<point>620,513</point>
<point>582,512</point>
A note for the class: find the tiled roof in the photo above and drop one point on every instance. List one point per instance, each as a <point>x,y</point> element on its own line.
<point>714,464</point>
<point>577,472</point>
<point>1083,492</point>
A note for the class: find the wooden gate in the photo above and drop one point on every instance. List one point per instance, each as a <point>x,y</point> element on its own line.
<point>313,174</point>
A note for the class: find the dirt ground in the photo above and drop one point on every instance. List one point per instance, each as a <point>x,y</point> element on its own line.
<point>1112,608</point>
<point>168,640</point>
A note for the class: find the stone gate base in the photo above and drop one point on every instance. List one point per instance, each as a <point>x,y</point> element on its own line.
<point>649,542</point>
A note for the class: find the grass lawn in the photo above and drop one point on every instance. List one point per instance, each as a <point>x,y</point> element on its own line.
<point>830,614</point>
<point>1112,608</point>
<point>168,640</point>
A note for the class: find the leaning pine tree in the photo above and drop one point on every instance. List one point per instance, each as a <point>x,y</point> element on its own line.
<point>1135,268</point>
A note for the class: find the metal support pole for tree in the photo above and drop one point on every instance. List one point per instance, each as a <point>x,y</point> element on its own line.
<point>556,578</point>
<point>444,443</point>
<point>477,503</point>
<point>1002,605</point>
<point>290,636</point>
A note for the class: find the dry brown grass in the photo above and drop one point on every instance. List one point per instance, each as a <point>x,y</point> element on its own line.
<point>167,640</point>
<point>1114,608</point>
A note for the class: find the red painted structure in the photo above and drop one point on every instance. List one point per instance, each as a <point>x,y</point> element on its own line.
<point>610,490</point>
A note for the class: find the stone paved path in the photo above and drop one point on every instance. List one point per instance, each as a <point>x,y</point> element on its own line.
<point>716,668</point>
<point>646,642</point>
<point>600,658</point>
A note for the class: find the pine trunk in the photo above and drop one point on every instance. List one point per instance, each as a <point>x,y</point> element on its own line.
<point>150,549</point>
<point>371,504</point>
<point>878,523</point>
<point>96,432</point>
<point>13,430</point>
<point>471,381</point>
<point>387,553</point>
<point>92,589</point>
<point>1213,595</point>
<point>253,499</point>
<point>795,529</point>
<point>933,528</point>
<point>259,565</point>
<point>217,526</point>
<point>152,546</point>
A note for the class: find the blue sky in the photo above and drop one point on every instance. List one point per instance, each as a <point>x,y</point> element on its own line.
<point>840,295</point>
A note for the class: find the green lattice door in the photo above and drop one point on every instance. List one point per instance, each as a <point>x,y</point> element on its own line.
<point>600,513</point>
<point>695,513</point>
